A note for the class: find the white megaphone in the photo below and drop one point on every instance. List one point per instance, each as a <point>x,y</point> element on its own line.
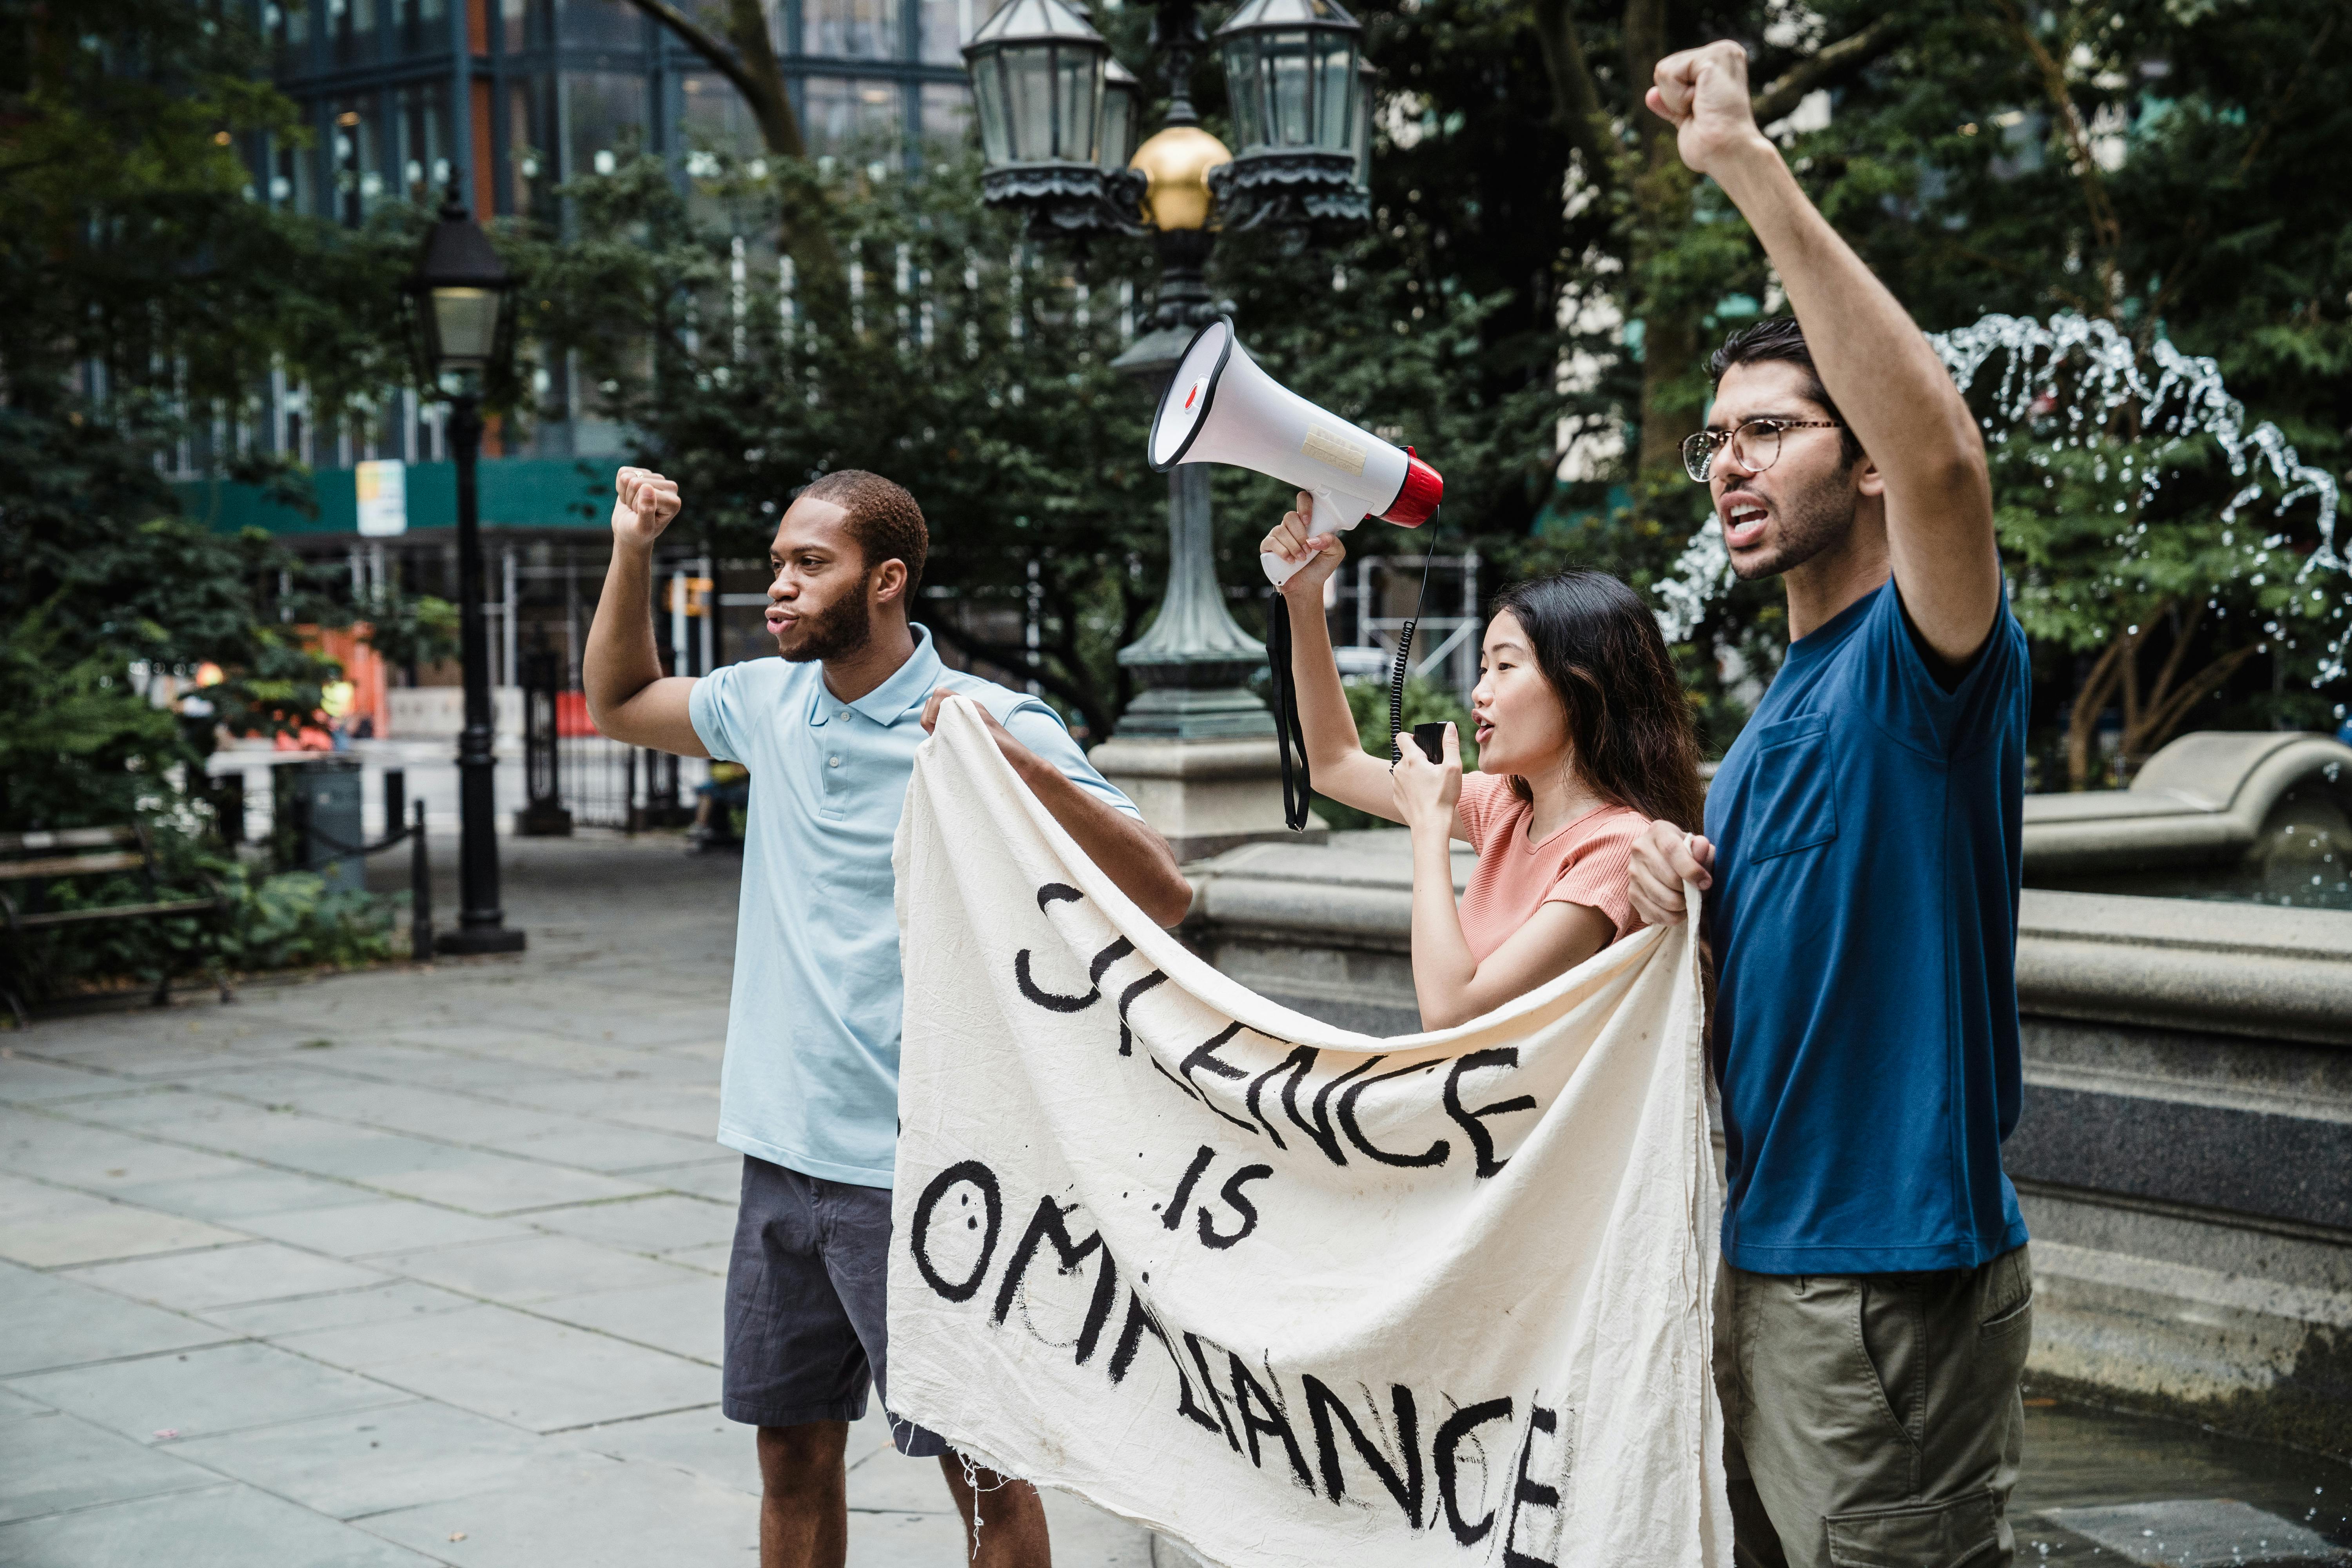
<point>1222,409</point>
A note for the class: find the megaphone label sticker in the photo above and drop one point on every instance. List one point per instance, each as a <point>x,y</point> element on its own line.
<point>1333,452</point>
<point>1194,395</point>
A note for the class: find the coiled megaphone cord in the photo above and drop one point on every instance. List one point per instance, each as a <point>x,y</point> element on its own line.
<point>1405,646</point>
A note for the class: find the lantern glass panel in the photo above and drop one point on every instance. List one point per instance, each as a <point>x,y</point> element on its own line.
<point>1361,132</point>
<point>1029,103</point>
<point>1079,123</point>
<point>1248,98</point>
<point>1119,125</point>
<point>1284,62</point>
<point>988,92</point>
<point>465,327</point>
<point>1335,89</point>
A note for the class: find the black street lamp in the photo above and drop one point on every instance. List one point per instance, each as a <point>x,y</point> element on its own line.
<point>1301,101</point>
<point>456,299</point>
<point>1291,70</point>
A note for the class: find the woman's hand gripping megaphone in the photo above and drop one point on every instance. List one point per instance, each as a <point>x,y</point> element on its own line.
<point>1298,559</point>
<point>1321,518</point>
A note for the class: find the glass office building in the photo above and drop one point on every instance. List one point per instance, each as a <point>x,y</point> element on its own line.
<point>510,99</point>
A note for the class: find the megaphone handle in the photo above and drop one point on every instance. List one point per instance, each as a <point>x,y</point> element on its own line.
<point>1330,515</point>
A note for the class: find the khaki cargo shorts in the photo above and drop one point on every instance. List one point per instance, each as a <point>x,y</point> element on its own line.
<point>1874,1421</point>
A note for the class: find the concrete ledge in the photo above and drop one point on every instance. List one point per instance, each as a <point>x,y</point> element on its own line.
<point>1189,760</point>
<point>2236,969</point>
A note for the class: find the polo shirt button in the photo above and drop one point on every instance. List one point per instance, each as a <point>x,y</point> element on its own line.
<point>833,762</point>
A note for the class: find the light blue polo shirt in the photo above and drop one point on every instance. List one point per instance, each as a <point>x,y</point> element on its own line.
<point>811,1078</point>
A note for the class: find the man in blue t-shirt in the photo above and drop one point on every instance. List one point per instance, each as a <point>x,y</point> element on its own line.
<point>1861,861</point>
<point>809,1090</point>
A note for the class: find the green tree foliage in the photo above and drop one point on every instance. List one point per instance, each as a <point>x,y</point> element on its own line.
<point>2169,166</point>
<point>150,298</point>
<point>972,370</point>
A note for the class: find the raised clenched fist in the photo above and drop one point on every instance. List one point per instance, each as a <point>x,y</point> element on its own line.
<point>1702,93</point>
<point>643,504</point>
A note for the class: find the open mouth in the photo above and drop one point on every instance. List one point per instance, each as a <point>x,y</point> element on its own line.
<point>1744,521</point>
<point>1480,731</point>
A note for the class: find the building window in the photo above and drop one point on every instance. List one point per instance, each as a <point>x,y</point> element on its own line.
<point>524,24</point>
<point>948,26</point>
<point>946,119</point>
<point>851,118</point>
<point>350,24</point>
<point>852,29</point>
<point>418,27</point>
<point>292,182</point>
<point>602,111</point>
<point>423,130</point>
<point>715,119</point>
<point>530,148</point>
<point>359,179</point>
<point>602,24</point>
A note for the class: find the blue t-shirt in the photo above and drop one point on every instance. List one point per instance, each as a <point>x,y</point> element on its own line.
<point>1864,926</point>
<point>811,1077</point>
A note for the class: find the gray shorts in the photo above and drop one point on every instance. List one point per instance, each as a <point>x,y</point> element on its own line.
<point>1875,1419</point>
<point>807,1317</point>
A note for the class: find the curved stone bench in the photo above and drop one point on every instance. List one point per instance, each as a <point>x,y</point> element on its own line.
<point>2206,799</point>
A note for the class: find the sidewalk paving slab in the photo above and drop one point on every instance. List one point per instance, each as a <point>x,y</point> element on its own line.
<point>685,1319</point>
<point>57,1323</point>
<point>230,1276</point>
<point>338,1310</point>
<point>244,1196</point>
<point>23,1082</point>
<point>51,1462</point>
<point>663,1224</point>
<point>520,1270</point>
<point>513,1367</point>
<point>374,1461</point>
<point>371,1225</point>
<point>72,1152</point>
<point>223,1388</point>
<point>49,1227</point>
<point>226,1526</point>
<point>586,1511</point>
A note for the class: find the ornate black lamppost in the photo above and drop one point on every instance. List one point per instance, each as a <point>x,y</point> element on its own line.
<point>457,301</point>
<point>1054,110</point>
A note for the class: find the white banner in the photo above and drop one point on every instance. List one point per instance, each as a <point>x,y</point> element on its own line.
<point>1288,1294</point>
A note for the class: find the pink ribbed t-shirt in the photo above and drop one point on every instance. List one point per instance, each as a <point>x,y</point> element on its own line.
<point>1586,862</point>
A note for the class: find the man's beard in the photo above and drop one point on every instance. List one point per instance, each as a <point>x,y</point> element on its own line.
<point>839,630</point>
<point>1812,521</point>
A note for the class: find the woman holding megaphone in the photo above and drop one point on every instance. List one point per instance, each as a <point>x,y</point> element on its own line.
<point>1584,738</point>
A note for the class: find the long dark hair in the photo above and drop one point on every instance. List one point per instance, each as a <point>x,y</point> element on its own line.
<point>1599,648</point>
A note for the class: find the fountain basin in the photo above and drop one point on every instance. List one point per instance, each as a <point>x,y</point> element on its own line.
<point>2259,818</point>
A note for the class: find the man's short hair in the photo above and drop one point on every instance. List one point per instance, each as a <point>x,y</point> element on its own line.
<point>883,518</point>
<point>1780,338</point>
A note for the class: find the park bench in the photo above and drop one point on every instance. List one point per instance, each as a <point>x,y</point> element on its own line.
<point>43,858</point>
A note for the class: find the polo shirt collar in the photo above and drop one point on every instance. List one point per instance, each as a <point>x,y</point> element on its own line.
<point>909,686</point>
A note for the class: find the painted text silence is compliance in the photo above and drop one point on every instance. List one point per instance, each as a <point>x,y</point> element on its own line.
<point>1288,1294</point>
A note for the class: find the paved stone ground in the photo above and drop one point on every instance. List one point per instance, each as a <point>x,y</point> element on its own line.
<point>426,1266</point>
<point>408,1267</point>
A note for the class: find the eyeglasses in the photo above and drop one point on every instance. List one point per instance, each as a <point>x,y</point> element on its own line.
<point>1754,444</point>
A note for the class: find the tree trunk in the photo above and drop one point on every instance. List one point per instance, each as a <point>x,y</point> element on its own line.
<point>747,59</point>
<point>1661,188</point>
